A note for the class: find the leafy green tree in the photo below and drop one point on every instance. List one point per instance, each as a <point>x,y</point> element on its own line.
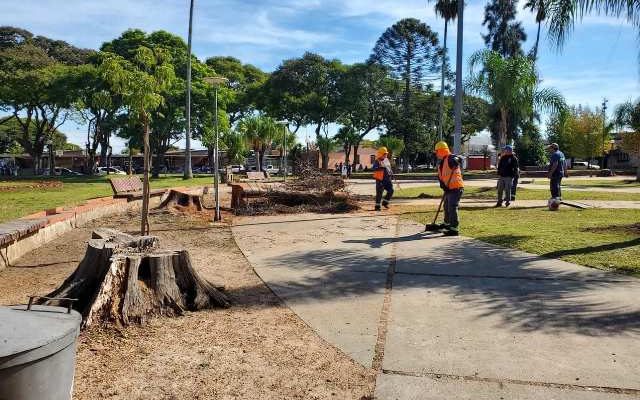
<point>141,83</point>
<point>627,115</point>
<point>447,10</point>
<point>57,50</point>
<point>363,90</point>
<point>303,91</point>
<point>244,80</point>
<point>511,85</point>
<point>504,36</point>
<point>410,52</point>
<point>529,146</point>
<point>235,145</point>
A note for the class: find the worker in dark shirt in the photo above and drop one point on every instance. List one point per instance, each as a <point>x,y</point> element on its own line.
<point>507,171</point>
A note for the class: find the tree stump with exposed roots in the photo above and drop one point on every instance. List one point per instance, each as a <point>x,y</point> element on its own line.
<point>125,279</point>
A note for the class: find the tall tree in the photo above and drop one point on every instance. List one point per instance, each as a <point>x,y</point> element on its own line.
<point>511,85</point>
<point>303,91</point>
<point>627,115</point>
<point>504,35</point>
<point>260,132</point>
<point>347,137</point>
<point>141,83</point>
<point>244,81</point>
<point>539,8</point>
<point>447,10</point>
<point>363,90</point>
<point>410,52</point>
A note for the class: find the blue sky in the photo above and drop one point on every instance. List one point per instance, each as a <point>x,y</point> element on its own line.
<point>600,59</point>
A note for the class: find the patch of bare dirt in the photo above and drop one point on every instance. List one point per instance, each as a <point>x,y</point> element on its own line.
<point>32,185</point>
<point>257,349</point>
<point>629,228</point>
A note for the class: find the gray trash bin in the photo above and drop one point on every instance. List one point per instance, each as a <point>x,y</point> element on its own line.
<point>37,352</point>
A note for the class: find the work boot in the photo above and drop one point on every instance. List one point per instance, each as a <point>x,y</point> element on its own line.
<point>498,204</point>
<point>377,207</point>
<point>507,204</point>
<point>385,203</point>
<point>451,232</point>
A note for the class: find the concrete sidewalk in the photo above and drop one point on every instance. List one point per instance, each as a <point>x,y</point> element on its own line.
<point>480,322</point>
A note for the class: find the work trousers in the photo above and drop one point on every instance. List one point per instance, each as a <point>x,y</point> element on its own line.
<point>505,184</point>
<point>381,187</point>
<point>514,188</point>
<point>555,185</point>
<point>451,203</point>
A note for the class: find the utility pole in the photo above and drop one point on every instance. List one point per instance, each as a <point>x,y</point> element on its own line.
<point>188,173</point>
<point>604,131</point>
<point>457,135</point>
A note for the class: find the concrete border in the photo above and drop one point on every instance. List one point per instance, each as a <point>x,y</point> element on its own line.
<point>64,219</point>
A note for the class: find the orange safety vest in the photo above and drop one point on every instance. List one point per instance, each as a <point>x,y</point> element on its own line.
<point>445,173</point>
<point>378,174</point>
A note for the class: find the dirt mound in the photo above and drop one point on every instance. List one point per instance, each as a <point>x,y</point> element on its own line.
<point>11,187</point>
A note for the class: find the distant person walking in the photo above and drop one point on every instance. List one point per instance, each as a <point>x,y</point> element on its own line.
<point>507,172</point>
<point>557,170</point>
<point>383,175</point>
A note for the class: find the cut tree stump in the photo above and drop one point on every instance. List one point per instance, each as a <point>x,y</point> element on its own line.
<point>182,200</point>
<point>125,279</point>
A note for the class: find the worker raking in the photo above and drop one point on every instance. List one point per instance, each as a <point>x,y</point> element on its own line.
<point>450,178</point>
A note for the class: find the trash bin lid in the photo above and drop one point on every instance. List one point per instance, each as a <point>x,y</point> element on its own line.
<point>31,335</point>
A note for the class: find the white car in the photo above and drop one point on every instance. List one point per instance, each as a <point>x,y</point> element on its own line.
<point>272,170</point>
<point>110,170</point>
<point>236,169</point>
<point>584,165</point>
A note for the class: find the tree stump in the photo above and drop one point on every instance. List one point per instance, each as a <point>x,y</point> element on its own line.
<point>125,279</point>
<point>183,201</point>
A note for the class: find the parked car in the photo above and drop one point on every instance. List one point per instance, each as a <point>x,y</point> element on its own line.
<point>272,170</point>
<point>59,171</point>
<point>237,169</point>
<point>111,170</point>
<point>584,165</point>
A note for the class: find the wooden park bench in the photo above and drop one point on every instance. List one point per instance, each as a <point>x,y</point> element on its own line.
<point>240,192</point>
<point>130,187</point>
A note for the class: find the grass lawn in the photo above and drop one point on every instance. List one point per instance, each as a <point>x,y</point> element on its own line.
<point>602,183</point>
<point>523,194</point>
<point>26,196</point>
<point>605,239</point>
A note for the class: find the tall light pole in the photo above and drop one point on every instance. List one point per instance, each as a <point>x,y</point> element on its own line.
<point>284,149</point>
<point>457,135</point>
<point>216,81</point>
<point>188,173</point>
<point>604,131</point>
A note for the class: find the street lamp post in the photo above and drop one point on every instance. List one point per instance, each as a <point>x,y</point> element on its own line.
<point>216,81</point>
<point>457,135</point>
<point>188,173</point>
<point>604,132</point>
<point>284,149</point>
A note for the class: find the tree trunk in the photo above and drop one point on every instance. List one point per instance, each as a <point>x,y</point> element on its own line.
<point>535,47</point>
<point>444,65</point>
<point>356,156</point>
<point>325,160</point>
<point>502,141</point>
<point>144,221</point>
<point>125,279</point>
<point>159,163</point>
<point>259,160</point>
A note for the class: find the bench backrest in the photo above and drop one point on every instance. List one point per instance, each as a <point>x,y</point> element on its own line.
<point>255,175</point>
<point>125,185</point>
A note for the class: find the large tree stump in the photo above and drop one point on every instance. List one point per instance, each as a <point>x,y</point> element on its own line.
<point>183,201</point>
<point>124,279</point>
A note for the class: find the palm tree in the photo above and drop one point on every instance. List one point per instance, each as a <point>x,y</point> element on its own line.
<point>627,115</point>
<point>259,132</point>
<point>511,84</point>
<point>235,145</point>
<point>562,14</point>
<point>326,145</point>
<point>348,137</point>
<point>448,10</point>
<point>538,7</point>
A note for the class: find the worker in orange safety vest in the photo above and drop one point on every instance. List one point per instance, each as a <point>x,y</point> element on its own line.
<point>383,174</point>
<point>450,177</point>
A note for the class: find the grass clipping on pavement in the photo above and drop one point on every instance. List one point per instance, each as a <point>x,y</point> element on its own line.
<point>599,238</point>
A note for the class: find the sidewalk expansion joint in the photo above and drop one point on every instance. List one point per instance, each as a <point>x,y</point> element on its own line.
<point>378,353</point>
<point>566,386</point>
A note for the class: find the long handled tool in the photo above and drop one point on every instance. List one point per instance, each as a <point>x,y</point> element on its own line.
<point>433,226</point>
